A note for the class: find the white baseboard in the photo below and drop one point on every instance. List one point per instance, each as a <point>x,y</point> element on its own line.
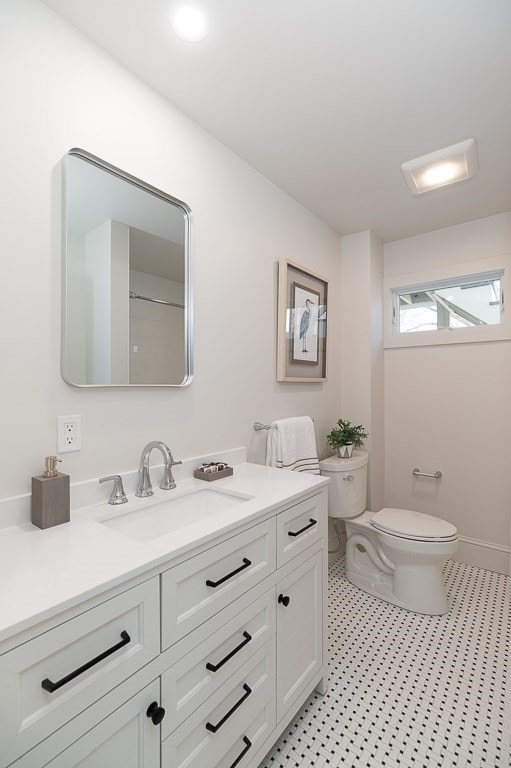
<point>484,554</point>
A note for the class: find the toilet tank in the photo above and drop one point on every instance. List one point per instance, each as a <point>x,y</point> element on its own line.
<point>347,492</point>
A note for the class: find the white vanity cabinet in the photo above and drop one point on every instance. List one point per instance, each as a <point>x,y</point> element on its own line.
<point>200,663</point>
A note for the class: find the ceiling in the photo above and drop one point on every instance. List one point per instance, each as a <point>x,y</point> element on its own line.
<point>328,97</point>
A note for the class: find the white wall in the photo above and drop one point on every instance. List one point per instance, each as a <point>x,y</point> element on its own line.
<point>362,359</point>
<point>362,376</point>
<point>60,91</point>
<point>449,408</point>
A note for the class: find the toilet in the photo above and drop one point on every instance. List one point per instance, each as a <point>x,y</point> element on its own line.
<point>394,554</point>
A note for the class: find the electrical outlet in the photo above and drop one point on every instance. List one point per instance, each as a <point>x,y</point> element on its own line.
<point>69,433</point>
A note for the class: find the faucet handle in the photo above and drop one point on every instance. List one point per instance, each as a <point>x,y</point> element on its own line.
<point>167,481</point>
<point>117,496</point>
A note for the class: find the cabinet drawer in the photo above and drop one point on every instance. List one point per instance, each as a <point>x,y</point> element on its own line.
<point>300,526</point>
<point>202,671</point>
<point>195,590</point>
<point>241,720</point>
<point>48,680</point>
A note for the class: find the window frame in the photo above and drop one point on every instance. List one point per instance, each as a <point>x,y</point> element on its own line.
<point>418,281</point>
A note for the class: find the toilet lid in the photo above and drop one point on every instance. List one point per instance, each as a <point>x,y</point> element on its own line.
<point>413,525</point>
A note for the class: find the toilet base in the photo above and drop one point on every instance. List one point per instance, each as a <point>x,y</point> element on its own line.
<point>405,573</point>
<point>384,592</point>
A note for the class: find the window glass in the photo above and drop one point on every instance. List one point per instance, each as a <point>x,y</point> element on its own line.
<point>464,303</point>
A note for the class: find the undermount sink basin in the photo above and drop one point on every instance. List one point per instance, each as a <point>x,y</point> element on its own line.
<point>164,517</point>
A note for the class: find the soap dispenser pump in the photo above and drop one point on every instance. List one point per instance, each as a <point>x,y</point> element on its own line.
<point>50,496</point>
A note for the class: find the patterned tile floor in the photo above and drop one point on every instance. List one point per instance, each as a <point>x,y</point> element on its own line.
<point>410,691</point>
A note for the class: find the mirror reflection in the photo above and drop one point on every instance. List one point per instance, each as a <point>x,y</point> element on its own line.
<point>127,293</point>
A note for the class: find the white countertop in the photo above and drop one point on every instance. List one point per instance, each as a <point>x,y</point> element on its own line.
<point>43,572</point>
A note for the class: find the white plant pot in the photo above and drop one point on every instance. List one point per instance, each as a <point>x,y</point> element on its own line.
<point>345,451</point>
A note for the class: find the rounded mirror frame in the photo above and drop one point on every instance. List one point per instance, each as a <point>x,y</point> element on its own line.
<point>66,335</point>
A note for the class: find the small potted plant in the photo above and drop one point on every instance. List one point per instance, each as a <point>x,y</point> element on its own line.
<point>345,436</point>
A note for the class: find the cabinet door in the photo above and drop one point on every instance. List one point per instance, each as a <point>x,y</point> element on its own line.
<point>299,631</point>
<point>125,739</point>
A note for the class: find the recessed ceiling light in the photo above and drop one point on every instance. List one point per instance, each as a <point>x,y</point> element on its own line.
<point>189,22</point>
<point>440,173</point>
<point>438,169</point>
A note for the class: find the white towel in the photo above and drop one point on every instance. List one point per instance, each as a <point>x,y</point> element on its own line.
<point>292,445</point>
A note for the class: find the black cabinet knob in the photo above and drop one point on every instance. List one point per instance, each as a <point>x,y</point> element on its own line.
<point>285,600</point>
<point>155,712</point>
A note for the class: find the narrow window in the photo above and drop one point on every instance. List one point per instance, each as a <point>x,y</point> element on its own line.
<point>467,302</point>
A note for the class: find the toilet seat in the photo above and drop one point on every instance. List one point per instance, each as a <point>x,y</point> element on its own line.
<point>408,524</point>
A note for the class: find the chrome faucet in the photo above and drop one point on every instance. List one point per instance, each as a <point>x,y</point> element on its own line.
<point>144,487</point>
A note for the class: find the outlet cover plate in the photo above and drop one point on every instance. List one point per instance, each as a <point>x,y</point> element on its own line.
<point>69,433</point>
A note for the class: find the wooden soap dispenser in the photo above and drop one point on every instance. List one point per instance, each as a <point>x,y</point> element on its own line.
<point>50,496</point>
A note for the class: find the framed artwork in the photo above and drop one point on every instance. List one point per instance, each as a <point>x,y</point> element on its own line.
<point>302,324</point>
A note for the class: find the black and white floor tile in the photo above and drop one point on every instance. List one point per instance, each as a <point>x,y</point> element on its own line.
<point>410,691</point>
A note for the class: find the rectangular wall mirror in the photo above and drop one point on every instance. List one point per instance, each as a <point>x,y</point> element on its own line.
<point>127,303</point>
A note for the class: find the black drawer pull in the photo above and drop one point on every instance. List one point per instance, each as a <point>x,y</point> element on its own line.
<point>214,728</point>
<point>246,564</point>
<point>305,528</point>
<point>216,667</point>
<point>49,686</point>
<point>284,600</point>
<point>243,752</point>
